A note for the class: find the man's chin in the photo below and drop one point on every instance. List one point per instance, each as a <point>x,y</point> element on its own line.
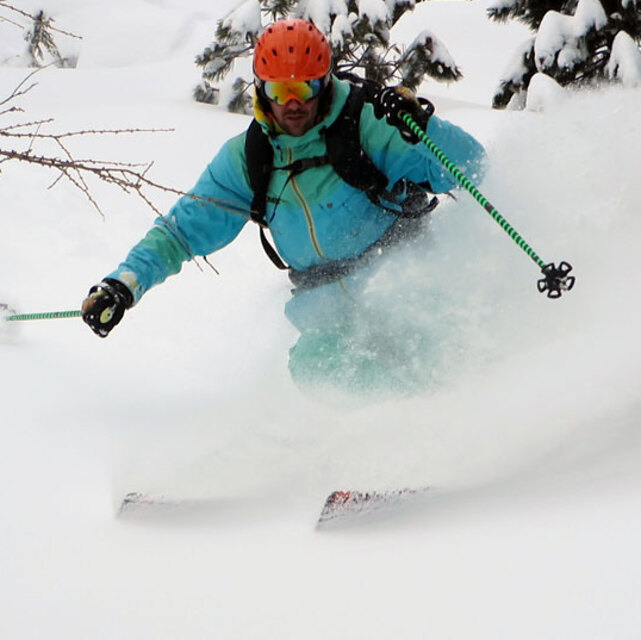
<point>295,126</point>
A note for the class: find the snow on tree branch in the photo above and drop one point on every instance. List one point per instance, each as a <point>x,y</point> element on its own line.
<point>39,35</point>
<point>577,42</point>
<point>358,30</point>
<point>625,62</point>
<point>560,40</point>
<point>5,5</point>
<point>427,54</point>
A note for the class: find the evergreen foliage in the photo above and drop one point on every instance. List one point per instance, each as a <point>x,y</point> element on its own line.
<point>529,12</point>
<point>577,43</point>
<point>40,41</point>
<point>38,32</point>
<point>359,36</point>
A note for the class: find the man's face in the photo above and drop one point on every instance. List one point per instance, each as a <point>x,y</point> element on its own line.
<point>296,117</point>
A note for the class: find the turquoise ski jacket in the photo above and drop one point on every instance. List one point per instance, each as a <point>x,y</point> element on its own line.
<point>313,217</point>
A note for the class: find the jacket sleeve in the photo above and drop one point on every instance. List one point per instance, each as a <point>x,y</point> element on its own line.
<point>205,220</point>
<point>399,159</point>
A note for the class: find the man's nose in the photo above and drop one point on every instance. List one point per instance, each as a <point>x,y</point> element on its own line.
<point>293,102</point>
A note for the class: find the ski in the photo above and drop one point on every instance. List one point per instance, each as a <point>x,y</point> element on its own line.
<point>136,501</point>
<point>345,505</point>
<point>339,507</point>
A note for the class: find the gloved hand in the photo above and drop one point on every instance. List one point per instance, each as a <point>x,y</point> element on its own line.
<point>105,305</point>
<point>392,101</point>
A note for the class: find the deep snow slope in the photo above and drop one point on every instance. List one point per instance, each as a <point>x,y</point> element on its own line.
<point>527,433</point>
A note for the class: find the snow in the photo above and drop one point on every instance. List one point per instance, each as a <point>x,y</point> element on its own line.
<point>515,68</point>
<point>342,28</point>
<point>440,54</point>
<point>543,92</point>
<point>245,18</point>
<point>558,38</point>
<point>528,435</point>
<point>375,10</point>
<point>319,11</point>
<point>625,61</point>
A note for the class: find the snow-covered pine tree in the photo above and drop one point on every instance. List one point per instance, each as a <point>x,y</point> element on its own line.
<point>38,31</point>
<point>358,31</point>
<point>40,42</point>
<point>577,42</point>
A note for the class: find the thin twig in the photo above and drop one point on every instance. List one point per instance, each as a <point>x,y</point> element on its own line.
<point>5,19</point>
<point>22,125</point>
<point>11,110</point>
<point>121,175</point>
<point>18,92</point>
<point>70,134</point>
<point>210,265</point>
<point>33,139</point>
<point>129,177</point>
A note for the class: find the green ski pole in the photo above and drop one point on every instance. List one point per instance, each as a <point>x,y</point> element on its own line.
<point>555,279</point>
<point>47,315</point>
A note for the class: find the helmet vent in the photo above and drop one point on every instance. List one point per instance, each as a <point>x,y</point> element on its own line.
<point>291,49</point>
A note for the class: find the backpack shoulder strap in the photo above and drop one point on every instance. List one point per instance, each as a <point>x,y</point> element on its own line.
<point>260,160</point>
<point>345,151</point>
<point>354,166</point>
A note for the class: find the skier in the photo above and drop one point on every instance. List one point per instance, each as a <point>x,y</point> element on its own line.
<point>330,169</point>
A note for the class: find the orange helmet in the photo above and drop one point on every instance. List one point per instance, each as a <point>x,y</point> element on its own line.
<point>292,50</point>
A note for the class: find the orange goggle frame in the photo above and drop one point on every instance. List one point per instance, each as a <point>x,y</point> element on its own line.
<point>300,90</point>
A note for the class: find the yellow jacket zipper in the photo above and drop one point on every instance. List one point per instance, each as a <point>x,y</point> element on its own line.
<point>311,229</point>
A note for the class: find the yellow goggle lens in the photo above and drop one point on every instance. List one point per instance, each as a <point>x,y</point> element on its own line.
<point>302,91</point>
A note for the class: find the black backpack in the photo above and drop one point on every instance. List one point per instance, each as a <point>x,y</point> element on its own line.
<point>347,157</point>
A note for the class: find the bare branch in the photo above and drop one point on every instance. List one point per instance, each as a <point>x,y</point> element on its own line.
<point>5,19</point>
<point>125,176</point>
<point>25,140</point>
<point>19,91</point>
<point>70,134</point>
<point>10,129</point>
<point>11,110</point>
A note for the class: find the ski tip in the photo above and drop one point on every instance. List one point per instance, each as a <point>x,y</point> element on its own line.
<point>136,501</point>
<point>138,504</point>
<point>345,505</point>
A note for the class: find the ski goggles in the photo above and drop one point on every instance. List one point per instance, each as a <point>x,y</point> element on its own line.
<point>301,90</point>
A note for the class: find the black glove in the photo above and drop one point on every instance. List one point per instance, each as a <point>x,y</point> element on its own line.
<point>390,102</point>
<point>105,305</point>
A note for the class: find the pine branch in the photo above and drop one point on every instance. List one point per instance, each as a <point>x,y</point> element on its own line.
<point>277,9</point>
<point>363,46</point>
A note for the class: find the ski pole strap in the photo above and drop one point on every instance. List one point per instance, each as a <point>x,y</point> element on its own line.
<point>556,279</point>
<point>48,315</point>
